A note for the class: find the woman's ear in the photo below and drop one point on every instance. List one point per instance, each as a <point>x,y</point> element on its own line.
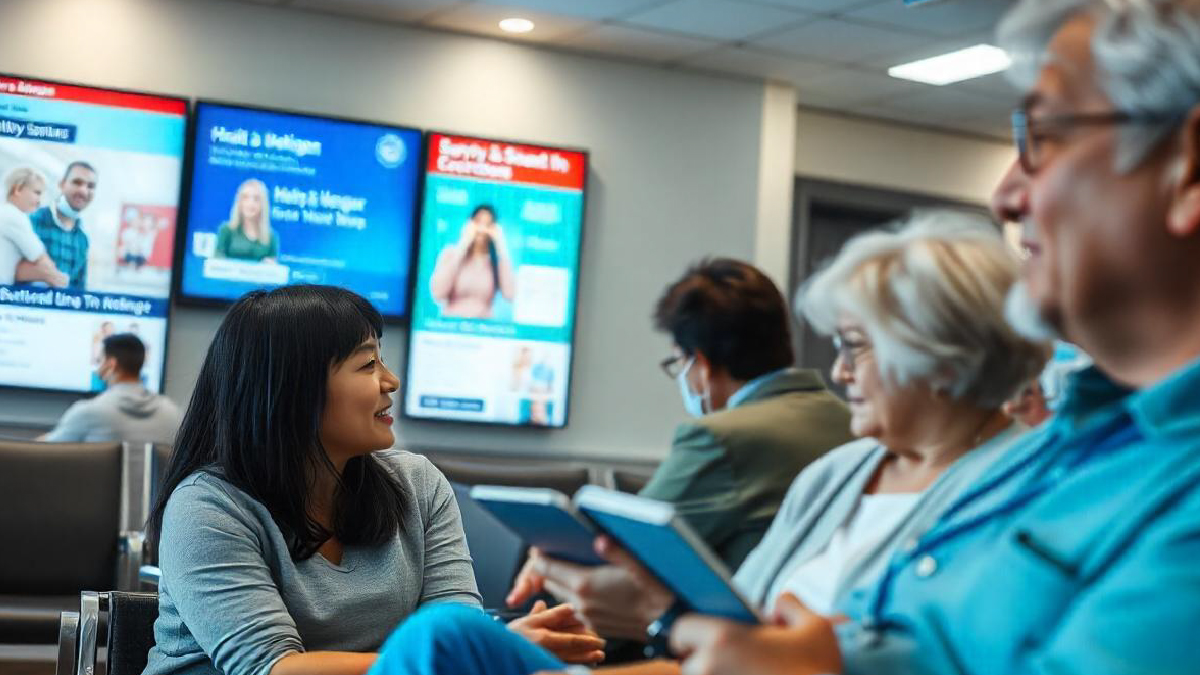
<point>1183,218</point>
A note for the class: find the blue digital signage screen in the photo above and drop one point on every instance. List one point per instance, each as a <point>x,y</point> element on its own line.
<point>493,324</point>
<point>283,198</point>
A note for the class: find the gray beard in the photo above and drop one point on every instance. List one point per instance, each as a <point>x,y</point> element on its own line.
<point>1024,316</point>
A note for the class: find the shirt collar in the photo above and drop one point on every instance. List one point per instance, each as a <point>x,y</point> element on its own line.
<point>753,386</point>
<point>1169,406</point>
<point>1165,407</point>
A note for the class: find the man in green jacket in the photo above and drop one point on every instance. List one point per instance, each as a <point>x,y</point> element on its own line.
<point>758,420</point>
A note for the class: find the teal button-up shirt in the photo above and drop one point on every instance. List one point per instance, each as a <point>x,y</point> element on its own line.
<point>1077,553</point>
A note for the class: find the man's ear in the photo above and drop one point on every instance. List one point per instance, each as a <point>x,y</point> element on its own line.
<point>1183,218</point>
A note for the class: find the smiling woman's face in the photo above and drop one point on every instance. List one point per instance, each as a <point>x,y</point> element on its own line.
<point>357,418</point>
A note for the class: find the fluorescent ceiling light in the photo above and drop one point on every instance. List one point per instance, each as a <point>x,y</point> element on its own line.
<point>963,64</point>
<point>516,25</point>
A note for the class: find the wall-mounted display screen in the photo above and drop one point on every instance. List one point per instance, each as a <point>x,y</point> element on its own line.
<point>496,280</point>
<point>91,181</point>
<point>280,198</point>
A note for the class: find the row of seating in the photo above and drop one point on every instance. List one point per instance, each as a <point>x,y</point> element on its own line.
<point>73,515</point>
<point>76,513</point>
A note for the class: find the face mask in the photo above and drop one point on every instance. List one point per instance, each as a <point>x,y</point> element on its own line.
<point>65,209</point>
<point>693,403</point>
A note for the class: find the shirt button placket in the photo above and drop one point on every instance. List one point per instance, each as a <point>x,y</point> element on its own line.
<point>926,567</point>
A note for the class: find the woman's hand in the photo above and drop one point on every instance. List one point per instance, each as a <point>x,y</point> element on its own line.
<point>616,600</point>
<point>529,581</point>
<point>498,240</point>
<point>469,230</point>
<point>801,643</point>
<point>560,633</point>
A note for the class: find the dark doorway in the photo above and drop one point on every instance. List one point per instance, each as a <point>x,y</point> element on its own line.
<point>826,216</point>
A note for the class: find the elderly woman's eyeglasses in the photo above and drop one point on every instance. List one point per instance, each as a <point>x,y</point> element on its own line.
<point>850,349</point>
<point>1035,137</point>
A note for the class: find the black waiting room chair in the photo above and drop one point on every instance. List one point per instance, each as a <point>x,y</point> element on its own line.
<point>121,621</point>
<point>72,516</point>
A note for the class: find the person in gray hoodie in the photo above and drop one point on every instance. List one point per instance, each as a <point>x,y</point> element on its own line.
<point>126,411</point>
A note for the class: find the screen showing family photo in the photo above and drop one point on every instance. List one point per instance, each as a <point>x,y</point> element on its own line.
<point>91,181</point>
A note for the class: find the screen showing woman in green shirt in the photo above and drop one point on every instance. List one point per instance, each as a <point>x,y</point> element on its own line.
<point>247,235</point>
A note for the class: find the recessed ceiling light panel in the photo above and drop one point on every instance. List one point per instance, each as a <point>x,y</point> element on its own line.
<point>964,64</point>
<point>516,25</point>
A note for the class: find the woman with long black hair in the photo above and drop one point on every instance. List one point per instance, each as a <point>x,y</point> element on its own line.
<point>288,543</point>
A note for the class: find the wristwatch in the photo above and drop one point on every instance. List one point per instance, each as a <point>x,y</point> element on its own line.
<point>658,633</point>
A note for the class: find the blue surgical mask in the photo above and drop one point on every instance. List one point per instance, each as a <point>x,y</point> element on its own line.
<point>693,403</point>
<point>64,207</point>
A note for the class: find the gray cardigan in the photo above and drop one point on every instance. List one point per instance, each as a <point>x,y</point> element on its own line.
<point>825,495</point>
<point>233,602</point>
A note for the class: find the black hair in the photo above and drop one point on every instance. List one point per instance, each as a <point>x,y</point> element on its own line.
<point>492,257</point>
<point>254,417</point>
<point>128,350</point>
<point>78,164</point>
<point>484,208</point>
<point>732,313</point>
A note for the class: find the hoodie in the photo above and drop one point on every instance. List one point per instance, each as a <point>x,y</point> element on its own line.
<point>126,411</point>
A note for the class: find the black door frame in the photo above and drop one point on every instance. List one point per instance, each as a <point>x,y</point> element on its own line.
<point>811,191</point>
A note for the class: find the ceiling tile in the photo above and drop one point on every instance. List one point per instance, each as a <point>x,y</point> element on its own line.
<point>848,87</point>
<point>717,19</point>
<point>485,19</point>
<point>636,43</point>
<point>817,6</point>
<point>754,63</point>
<point>996,85</point>
<point>388,10</point>
<point>947,18</point>
<point>844,41</point>
<point>583,9</point>
<point>924,48</point>
<point>941,104</point>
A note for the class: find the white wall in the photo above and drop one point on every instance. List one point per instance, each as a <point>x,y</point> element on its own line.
<point>676,162</point>
<point>776,180</point>
<point>864,152</point>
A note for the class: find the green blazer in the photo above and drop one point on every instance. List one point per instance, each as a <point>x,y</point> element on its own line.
<point>727,472</point>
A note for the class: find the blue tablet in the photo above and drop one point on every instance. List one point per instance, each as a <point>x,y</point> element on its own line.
<point>542,517</point>
<point>663,542</point>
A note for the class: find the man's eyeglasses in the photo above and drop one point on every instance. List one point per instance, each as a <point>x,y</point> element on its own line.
<point>674,365</point>
<point>1031,134</point>
<point>850,349</point>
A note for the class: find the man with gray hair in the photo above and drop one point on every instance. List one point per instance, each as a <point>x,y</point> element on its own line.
<point>1077,553</point>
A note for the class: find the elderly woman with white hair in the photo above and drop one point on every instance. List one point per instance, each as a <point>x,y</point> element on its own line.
<point>927,359</point>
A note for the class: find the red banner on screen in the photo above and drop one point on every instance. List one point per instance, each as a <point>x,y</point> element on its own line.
<point>506,162</point>
<point>22,86</point>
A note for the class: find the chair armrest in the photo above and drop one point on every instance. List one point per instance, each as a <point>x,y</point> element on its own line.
<point>89,631</point>
<point>149,575</point>
<point>131,547</point>
<point>68,636</point>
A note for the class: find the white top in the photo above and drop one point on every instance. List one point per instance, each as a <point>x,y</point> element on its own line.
<point>17,241</point>
<point>875,519</point>
<point>135,241</point>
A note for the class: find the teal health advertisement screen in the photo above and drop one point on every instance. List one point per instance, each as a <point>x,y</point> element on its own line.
<point>496,282</point>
